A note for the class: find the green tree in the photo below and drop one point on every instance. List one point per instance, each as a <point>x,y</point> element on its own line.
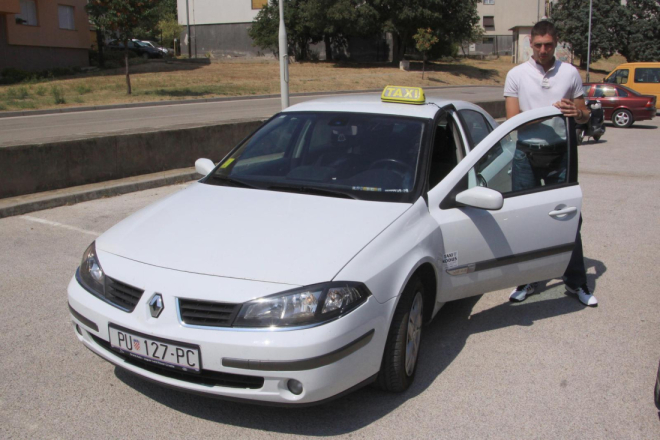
<point>642,42</point>
<point>424,41</point>
<point>121,17</point>
<point>451,20</point>
<point>169,29</point>
<point>607,27</point>
<point>300,32</point>
<point>335,20</point>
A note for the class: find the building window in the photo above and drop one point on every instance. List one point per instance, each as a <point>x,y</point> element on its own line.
<point>259,4</point>
<point>65,14</point>
<point>489,2</point>
<point>489,23</point>
<point>28,15</point>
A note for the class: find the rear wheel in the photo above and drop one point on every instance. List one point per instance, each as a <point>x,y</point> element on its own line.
<point>622,118</point>
<point>145,56</point>
<point>399,364</point>
<point>597,137</point>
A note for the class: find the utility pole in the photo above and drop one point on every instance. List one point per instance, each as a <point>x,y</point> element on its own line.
<point>284,60</point>
<point>188,34</point>
<point>589,41</point>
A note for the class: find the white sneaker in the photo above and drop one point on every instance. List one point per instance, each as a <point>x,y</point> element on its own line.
<point>584,295</point>
<point>520,293</point>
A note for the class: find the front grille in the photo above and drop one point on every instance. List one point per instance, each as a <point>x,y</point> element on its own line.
<point>205,377</point>
<point>122,295</point>
<point>207,313</point>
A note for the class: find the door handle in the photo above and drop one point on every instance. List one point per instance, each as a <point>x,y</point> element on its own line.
<point>563,211</point>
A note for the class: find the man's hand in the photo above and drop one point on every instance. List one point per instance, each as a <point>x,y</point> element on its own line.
<point>573,109</point>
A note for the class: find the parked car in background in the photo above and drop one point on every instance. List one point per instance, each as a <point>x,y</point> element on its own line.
<point>643,78</point>
<point>140,49</point>
<point>622,105</point>
<point>155,45</point>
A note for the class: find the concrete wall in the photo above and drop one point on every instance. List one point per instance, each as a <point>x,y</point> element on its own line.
<point>221,40</point>
<point>28,169</point>
<point>216,11</point>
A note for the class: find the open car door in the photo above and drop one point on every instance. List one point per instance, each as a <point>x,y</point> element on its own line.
<point>509,211</point>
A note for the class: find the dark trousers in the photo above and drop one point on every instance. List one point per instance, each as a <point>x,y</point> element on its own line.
<point>525,177</point>
<point>576,273</point>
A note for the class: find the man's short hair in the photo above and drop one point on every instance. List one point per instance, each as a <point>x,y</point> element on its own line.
<point>544,27</point>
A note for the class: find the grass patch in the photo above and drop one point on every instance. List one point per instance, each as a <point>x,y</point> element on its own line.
<point>18,93</point>
<point>58,94</point>
<point>83,89</point>
<point>179,80</point>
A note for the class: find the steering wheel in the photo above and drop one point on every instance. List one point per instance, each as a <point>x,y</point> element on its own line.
<point>386,163</point>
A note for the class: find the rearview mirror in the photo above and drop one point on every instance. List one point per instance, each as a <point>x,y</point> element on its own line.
<point>480,197</point>
<point>204,166</point>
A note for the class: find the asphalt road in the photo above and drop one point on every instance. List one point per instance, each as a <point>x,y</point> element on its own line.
<point>65,126</point>
<point>547,368</point>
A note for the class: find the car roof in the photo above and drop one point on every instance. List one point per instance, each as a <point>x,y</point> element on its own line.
<point>371,103</point>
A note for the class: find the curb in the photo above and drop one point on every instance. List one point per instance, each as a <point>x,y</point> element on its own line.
<point>192,101</point>
<point>68,196</point>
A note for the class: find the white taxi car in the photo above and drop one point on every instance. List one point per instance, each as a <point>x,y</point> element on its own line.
<point>304,264</point>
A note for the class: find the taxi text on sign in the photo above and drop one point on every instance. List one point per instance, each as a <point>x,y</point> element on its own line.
<point>408,95</point>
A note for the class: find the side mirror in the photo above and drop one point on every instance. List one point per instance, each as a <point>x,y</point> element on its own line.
<point>480,197</point>
<point>204,166</point>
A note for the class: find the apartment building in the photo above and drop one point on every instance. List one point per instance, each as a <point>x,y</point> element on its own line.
<point>44,34</point>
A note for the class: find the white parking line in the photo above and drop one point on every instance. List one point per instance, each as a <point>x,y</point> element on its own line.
<point>60,225</point>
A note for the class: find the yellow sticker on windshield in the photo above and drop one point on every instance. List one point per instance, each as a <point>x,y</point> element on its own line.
<point>403,95</point>
<point>226,164</point>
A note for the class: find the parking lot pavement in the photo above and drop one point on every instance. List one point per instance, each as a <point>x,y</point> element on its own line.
<point>545,368</point>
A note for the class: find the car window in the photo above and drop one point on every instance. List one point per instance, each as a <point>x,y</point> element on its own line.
<point>370,156</point>
<point>622,93</point>
<point>475,125</point>
<point>604,92</point>
<point>647,75</point>
<point>533,157</point>
<point>621,76</point>
<point>585,90</point>
<point>446,150</point>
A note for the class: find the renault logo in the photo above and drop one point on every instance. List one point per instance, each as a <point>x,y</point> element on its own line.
<point>156,305</point>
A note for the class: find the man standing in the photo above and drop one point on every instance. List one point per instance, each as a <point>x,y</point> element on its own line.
<point>541,82</point>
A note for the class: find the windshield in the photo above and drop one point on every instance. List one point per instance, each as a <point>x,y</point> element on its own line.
<point>356,155</point>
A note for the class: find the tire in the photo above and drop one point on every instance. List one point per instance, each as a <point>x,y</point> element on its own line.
<point>622,118</point>
<point>145,56</point>
<point>399,364</point>
<point>597,137</point>
<point>580,135</point>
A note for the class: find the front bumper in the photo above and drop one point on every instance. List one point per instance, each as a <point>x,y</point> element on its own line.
<point>244,364</point>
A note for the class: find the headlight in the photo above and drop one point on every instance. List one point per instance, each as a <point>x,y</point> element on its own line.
<point>308,305</point>
<point>91,274</point>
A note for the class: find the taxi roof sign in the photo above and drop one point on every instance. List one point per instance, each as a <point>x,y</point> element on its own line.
<point>403,95</point>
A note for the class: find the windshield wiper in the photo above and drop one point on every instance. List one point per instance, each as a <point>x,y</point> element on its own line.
<point>232,181</point>
<point>312,190</point>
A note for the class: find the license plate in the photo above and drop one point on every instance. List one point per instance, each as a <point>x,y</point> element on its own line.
<point>163,352</point>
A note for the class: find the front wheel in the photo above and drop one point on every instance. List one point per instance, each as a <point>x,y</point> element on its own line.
<point>399,364</point>
<point>580,135</point>
<point>622,118</point>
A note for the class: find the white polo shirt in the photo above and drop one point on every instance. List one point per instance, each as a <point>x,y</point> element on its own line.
<point>534,87</point>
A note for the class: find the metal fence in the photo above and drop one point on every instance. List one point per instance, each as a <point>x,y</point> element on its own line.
<point>490,45</point>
